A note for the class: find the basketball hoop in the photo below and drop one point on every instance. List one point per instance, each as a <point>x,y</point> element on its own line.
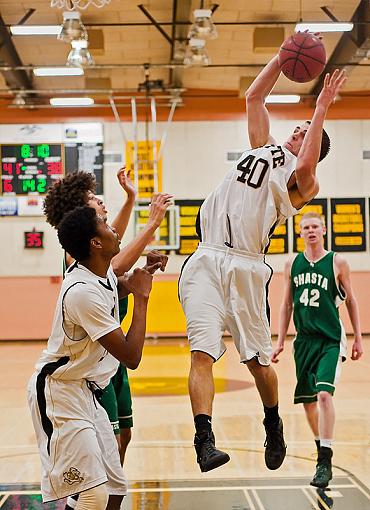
<point>72,5</point>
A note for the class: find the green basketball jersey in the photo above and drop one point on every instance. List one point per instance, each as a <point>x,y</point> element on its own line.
<point>316,297</point>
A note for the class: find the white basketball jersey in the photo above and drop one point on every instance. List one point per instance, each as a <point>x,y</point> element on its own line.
<point>251,201</point>
<point>86,310</point>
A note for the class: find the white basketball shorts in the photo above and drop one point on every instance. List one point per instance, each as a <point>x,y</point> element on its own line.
<point>76,442</point>
<point>222,289</point>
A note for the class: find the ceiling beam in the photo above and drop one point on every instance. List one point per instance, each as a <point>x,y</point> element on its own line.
<point>15,79</point>
<point>349,45</point>
<point>181,13</point>
<point>155,23</point>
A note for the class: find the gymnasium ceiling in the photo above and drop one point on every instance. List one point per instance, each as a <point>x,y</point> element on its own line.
<point>130,40</point>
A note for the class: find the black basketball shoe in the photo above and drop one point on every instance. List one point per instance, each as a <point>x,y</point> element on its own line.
<point>275,447</point>
<point>323,473</point>
<point>208,457</point>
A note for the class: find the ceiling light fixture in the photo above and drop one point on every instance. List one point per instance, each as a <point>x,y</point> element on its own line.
<point>78,4</point>
<point>58,71</point>
<point>35,29</point>
<point>324,27</point>
<point>71,101</point>
<point>179,51</point>
<point>196,54</point>
<point>203,27</point>
<point>72,27</point>
<point>19,100</point>
<point>79,55</point>
<point>283,98</point>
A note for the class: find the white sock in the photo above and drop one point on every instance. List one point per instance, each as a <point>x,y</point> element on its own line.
<point>326,442</point>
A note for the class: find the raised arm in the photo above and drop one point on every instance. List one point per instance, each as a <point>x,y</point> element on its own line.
<point>305,174</point>
<point>127,257</point>
<point>120,222</point>
<point>286,309</point>
<point>344,277</point>
<point>257,114</point>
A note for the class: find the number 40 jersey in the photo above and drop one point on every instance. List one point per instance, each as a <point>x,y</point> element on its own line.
<point>250,202</point>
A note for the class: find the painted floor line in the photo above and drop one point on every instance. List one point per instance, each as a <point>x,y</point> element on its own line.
<point>4,499</point>
<point>258,500</point>
<point>249,500</point>
<point>311,499</point>
<point>202,489</point>
<point>361,489</point>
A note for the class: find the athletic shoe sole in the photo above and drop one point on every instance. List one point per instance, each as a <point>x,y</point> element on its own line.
<point>216,462</point>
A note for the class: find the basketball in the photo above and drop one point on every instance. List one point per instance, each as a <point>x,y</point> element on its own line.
<point>302,57</point>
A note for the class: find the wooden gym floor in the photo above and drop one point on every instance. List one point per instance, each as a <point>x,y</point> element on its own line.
<point>160,461</point>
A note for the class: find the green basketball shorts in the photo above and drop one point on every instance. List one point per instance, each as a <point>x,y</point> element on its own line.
<point>117,401</point>
<point>318,366</point>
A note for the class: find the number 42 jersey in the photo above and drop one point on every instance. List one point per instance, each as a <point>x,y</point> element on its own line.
<point>316,297</point>
<point>250,202</point>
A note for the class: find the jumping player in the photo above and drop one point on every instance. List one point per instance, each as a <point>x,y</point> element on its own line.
<point>316,283</point>
<point>76,442</point>
<point>224,283</point>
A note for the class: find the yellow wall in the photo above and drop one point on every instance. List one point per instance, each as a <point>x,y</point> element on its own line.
<point>165,315</point>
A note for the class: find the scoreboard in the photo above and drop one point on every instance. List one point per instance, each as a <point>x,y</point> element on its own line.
<point>30,168</point>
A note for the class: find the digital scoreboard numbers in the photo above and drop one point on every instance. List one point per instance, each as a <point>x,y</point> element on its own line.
<point>30,168</point>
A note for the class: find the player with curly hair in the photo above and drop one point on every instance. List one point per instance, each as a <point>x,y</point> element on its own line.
<point>78,189</point>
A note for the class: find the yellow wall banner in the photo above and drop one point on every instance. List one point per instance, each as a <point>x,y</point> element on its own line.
<point>145,165</point>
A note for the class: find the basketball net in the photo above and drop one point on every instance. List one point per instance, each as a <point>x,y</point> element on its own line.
<point>72,5</point>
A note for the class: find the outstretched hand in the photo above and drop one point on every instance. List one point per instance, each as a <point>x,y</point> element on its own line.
<point>332,85</point>
<point>158,207</point>
<point>125,182</point>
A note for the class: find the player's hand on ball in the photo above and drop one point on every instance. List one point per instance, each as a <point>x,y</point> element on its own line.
<point>279,349</point>
<point>123,177</point>
<point>153,258</point>
<point>332,85</point>
<point>158,207</point>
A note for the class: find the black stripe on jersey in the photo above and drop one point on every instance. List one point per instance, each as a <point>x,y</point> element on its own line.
<point>267,292</point>
<point>107,286</point>
<point>181,271</point>
<point>46,370</point>
<point>229,243</point>
<point>269,236</point>
<point>63,315</point>
<point>198,228</point>
<point>72,267</point>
